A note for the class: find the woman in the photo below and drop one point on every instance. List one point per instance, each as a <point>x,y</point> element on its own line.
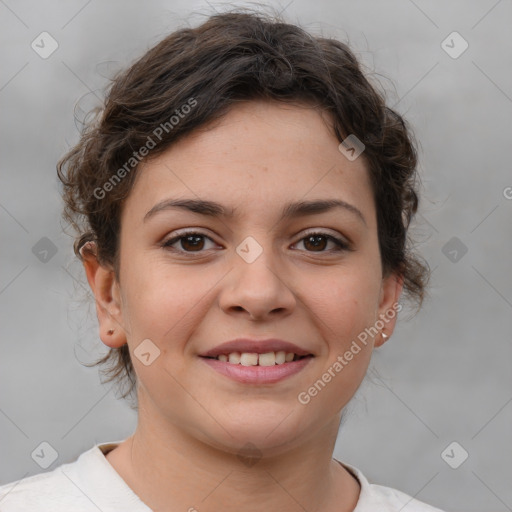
<point>242,204</point>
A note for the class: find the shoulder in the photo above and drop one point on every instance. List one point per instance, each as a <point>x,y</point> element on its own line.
<point>398,500</point>
<point>53,490</point>
<point>88,484</point>
<point>378,498</point>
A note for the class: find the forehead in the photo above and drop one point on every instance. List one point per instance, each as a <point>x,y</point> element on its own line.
<point>258,155</point>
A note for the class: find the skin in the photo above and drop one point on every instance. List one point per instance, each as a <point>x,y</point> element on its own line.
<point>192,420</point>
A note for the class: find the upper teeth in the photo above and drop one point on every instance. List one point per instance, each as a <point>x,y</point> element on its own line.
<point>253,359</point>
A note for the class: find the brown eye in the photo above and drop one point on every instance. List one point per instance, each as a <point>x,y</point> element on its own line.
<point>319,242</point>
<point>192,242</point>
<point>188,242</point>
<point>315,242</point>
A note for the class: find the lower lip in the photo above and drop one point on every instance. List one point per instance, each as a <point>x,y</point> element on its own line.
<point>257,374</point>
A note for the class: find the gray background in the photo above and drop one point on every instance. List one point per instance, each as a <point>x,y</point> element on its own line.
<point>446,373</point>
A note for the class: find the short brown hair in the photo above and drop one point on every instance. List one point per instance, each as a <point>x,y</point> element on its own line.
<point>236,56</point>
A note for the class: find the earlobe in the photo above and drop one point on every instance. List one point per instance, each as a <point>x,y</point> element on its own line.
<point>105,288</point>
<point>389,307</point>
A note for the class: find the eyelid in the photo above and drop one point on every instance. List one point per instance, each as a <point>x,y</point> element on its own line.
<point>325,231</point>
<point>342,242</point>
<point>331,232</point>
<point>190,231</point>
<point>167,242</point>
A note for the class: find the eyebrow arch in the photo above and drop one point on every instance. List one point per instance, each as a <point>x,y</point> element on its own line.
<point>200,206</point>
<point>213,209</point>
<point>302,208</point>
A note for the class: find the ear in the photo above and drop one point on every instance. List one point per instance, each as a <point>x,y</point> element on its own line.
<point>391,289</point>
<point>106,291</point>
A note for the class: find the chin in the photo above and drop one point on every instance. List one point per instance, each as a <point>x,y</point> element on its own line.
<point>268,430</point>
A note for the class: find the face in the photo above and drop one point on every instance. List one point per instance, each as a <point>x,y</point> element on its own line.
<point>193,277</point>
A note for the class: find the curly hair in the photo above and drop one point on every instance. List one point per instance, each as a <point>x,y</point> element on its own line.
<point>194,76</point>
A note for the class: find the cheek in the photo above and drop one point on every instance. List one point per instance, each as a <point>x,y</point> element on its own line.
<point>162,302</point>
<point>342,308</point>
<point>345,302</point>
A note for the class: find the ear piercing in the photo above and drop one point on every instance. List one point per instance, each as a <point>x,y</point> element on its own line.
<point>385,336</point>
<point>110,332</point>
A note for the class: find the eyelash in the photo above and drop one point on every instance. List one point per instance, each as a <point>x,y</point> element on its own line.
<point>341,245</point>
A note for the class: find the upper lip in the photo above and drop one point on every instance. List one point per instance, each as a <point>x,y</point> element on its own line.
<point>255,346</point>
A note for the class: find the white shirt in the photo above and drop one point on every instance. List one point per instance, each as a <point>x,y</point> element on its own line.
<point>91,484</point>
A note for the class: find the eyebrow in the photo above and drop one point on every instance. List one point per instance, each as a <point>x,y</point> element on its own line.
<point>213,209</point>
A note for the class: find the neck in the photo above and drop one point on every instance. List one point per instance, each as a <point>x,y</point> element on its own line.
<point>171,470</point>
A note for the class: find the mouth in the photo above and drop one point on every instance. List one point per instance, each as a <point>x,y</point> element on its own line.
<point>258,369</point>
<point>258,359</point>
<point>252,361</point>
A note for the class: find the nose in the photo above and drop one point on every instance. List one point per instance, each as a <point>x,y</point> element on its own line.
<point>257,290</point>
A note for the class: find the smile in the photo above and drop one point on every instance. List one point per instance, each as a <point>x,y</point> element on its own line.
<point>255,359</point>
<point>254,368</point>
